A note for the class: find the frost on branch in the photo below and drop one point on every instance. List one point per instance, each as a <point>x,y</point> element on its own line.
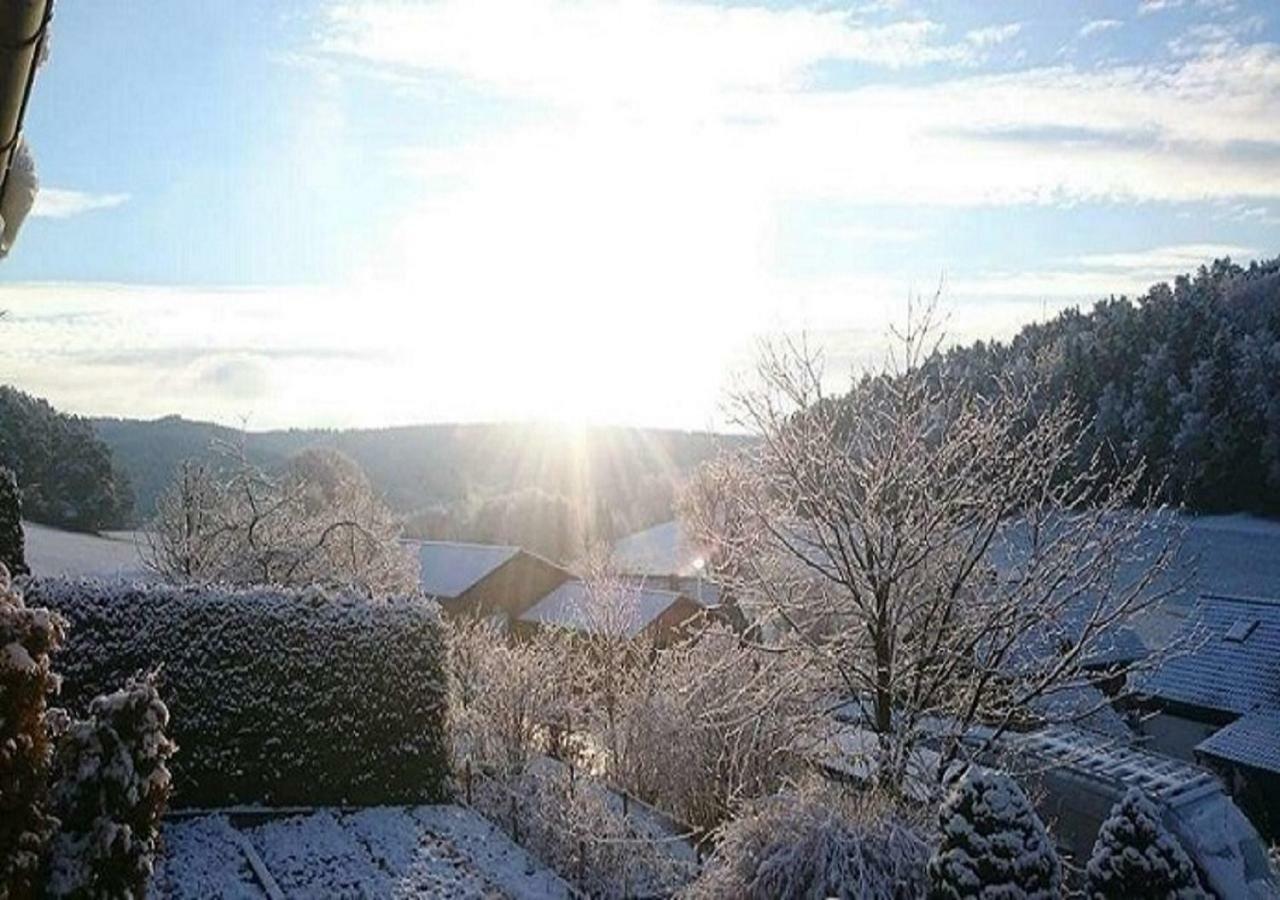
<point>1135,856</point>
<point>27,638</point>
<point>112,788</point>
<point>992,844</point>
<point>817,842</point>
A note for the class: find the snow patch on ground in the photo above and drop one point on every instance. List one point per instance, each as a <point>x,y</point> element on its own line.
<point>434,851</point>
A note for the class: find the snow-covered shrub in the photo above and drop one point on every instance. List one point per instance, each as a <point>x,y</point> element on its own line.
<point>277,696</point>
<point>992,844</point>
<point>27,637</point>
<point>708,724</point>
<point>579,828</point>
<point>817,841</point>
<point>12,541</point>
<point>111,789</point>
<point>507,697</point>
<point>1136,857</point>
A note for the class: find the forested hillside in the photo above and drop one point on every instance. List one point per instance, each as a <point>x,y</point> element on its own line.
<point>65,473</point>
<point>1186,376</point>
<point>539,486</point>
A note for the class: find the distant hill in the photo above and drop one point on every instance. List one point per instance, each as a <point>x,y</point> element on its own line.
<point>542,486</point>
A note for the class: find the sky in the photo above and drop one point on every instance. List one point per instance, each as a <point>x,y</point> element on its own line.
<point>367,212</point>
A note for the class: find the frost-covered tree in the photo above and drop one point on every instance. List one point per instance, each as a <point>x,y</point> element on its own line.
<point>992,844</point>
<point>112,788</point>
<point>12,541</point>
<point>1136,857</point>
<point>317,521</point>
<point>27,638</point>
<point>816,842</point>
<point>932,552</point>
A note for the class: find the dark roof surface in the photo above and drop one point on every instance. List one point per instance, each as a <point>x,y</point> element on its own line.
<point>1253,740</point>
<point>1221,673</point>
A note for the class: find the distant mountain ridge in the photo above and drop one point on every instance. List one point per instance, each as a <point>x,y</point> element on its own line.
<point>619,478</point>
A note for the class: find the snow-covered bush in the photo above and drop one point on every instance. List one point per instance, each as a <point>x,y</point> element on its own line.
<point>1136,857</point>
<point>709,724</point>
<point>992,844</point>
<point>112,788</point>
<point>507,698</point>
<point>277,696</point>
<point>12,541</point>
<point>27,637</point>
<point>817,841</point>
<point>579,828</point>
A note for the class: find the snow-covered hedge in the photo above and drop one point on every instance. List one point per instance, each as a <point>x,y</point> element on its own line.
<point>113,785</point>
<point>277,697</point>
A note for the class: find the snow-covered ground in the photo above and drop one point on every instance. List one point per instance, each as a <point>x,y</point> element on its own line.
<point>113,554</point>
<point>423,851</point>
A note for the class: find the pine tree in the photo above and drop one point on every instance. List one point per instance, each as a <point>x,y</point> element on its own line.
<point>12,545</point>
<point>1136,857</point>
<point>993,844</point>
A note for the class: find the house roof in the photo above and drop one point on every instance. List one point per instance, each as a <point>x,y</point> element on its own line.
<point>1252,740</point>
<point>627,613</point>
<point>449,569</point>
<point>664,549</point>
<point>1232,663</point>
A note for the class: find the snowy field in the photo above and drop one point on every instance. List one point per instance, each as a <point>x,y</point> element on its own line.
<point>113,554</point>
<point>423,851</point>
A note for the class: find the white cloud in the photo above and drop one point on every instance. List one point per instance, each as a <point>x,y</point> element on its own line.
<point>59,203</point>
<point>645,52</point>
<point>1146,7</point>
<point>993,35</point>
<point>1167,261</point>
<point>690,77</point>
<point>1098,26</point>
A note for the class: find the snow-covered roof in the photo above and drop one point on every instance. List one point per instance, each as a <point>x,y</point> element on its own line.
<point>1252,740</point>
<point>1168,780</point>
<point>449,569</point>
<point>1086,707</point>
<point>664,549</point>
<point>625,612</point>
<point>1232,663</point>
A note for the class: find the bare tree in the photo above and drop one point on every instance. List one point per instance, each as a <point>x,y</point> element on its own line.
<point>938,553</point>
<point>318,521</point>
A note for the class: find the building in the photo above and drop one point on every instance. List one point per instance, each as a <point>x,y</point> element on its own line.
<point>666,557</point>
<point>484,579</point>
<point>635,612</point>
<point>1217,699</point>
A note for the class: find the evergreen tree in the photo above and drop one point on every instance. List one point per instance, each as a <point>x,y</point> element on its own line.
<point>1135,857</point>
<point>993,844</point>
<point>12,542</point>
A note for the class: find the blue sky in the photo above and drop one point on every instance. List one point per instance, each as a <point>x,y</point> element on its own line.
<point>338,212</point>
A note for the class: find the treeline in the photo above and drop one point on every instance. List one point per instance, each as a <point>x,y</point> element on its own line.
<point>1187,377</point>
<point>546,488</point>
<point>65,473</point>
